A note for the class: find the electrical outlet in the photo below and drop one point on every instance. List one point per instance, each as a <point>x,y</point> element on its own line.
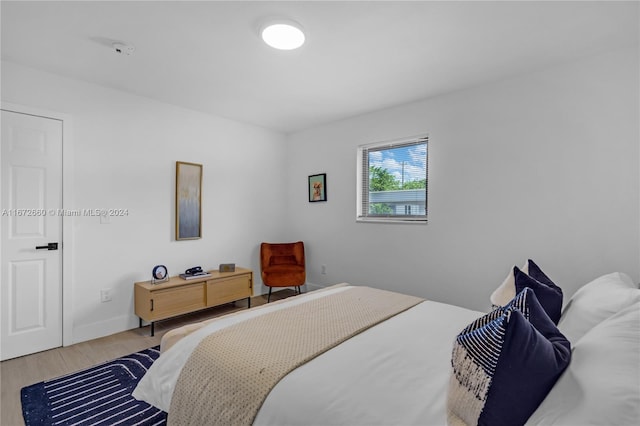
<point>323,269</point>
<point>105,295</point>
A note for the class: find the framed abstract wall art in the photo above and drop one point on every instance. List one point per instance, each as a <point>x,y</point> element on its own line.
<point>318,187</point>
<point>188,201</point>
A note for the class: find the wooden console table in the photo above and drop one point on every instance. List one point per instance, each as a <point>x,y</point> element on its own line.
<point>177,296</point>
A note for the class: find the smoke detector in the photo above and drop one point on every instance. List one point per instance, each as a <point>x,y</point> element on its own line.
<point>125,49</point>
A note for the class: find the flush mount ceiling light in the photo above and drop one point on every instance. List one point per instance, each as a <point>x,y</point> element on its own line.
<point>283,35</point>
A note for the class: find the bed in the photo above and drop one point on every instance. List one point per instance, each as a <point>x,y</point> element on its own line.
<point>401,371</point>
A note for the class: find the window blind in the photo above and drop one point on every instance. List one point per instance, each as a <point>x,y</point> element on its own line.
<point>393,184</point>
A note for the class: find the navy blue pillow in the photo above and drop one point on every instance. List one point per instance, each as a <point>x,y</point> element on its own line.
<point>505,363</point>
<point>549,295</point>
<point>536,273</point>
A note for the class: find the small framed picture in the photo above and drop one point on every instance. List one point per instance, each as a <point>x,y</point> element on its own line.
<point>318,188</point>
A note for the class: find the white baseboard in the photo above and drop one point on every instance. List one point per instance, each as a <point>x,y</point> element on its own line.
<point>312,286</point>
<point>264,290</point>
<point>95,330</point>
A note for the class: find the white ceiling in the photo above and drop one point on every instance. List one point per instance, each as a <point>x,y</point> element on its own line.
<point>359,56</point>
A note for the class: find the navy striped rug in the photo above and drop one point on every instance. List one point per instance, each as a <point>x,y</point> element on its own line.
<point>100,395</point>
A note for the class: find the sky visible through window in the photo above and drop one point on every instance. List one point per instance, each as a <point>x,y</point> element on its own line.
<point>406,164</point>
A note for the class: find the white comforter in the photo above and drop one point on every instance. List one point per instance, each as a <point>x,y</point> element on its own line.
<point>397,372</point>
<point>394,373</point>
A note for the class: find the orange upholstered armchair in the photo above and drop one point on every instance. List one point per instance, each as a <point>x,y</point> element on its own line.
<point>282,265</point>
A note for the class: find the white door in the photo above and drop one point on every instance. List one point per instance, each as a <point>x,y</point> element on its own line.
<point>31,268</point>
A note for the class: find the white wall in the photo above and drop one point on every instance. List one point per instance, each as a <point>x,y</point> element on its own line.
<point>124,153</point>
<point>544,166</point>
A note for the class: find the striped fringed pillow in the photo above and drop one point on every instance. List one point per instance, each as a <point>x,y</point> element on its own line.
<point>504,364</point>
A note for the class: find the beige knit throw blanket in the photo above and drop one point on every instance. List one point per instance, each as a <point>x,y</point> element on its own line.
<point>231,372</point>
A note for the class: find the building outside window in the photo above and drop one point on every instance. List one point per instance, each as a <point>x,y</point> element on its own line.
<point>392,181</point>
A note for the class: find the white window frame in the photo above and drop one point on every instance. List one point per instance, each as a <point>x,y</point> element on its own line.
<point>362,179</point>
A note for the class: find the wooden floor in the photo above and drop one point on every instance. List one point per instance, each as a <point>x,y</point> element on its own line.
<point>24,371</point>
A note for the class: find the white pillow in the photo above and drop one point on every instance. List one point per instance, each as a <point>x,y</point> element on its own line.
<point>507,290</point>
<point>596,301</point>
<point>601,386</point>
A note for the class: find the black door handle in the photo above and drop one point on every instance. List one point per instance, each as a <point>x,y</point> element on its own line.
<point>50,246</point>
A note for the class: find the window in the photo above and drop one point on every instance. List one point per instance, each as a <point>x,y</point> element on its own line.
<point>392,181</point>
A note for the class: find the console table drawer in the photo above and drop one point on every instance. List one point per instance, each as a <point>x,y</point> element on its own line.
<point>175,301</point>
<point>228,290</point>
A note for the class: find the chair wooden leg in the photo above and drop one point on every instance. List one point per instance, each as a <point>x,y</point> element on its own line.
<point>269,298</point>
